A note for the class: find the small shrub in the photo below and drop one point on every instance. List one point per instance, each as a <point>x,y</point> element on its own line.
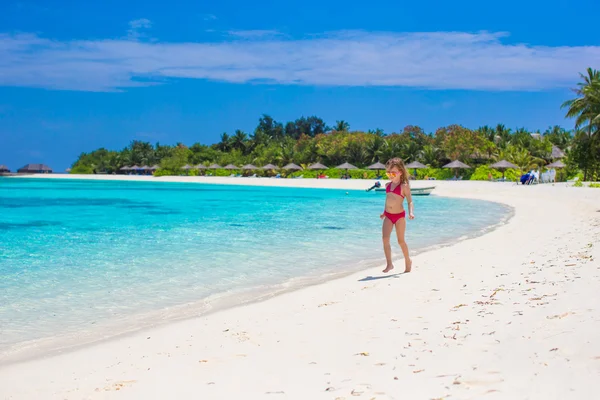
<point>482,173</point>
<point>578,184</point>
<point>595,185</point>
<point>82,170</point>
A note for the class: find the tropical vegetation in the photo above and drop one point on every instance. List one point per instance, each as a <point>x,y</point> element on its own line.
<point>309,139</point>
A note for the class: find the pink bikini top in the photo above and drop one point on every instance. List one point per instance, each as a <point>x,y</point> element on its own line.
<point>397,190</point>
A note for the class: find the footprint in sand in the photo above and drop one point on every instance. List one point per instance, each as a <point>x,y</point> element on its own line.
<point>117,386</point>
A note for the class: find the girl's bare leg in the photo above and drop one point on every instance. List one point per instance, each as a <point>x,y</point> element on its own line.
<point>400,230</point>
<point>386,231</point>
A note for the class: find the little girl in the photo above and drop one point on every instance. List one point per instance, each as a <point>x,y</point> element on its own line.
<point>394,215</point>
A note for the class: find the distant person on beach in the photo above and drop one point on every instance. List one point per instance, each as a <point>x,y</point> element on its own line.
<point>394,214</point>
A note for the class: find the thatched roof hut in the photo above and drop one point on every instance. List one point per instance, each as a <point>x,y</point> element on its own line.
<point>557,153</point>
<point>4,169</point>
<point>35,169</point>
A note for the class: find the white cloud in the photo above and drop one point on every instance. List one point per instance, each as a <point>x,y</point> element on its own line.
<point>437,60</point>
<point>136,26</point>
<point>255,34</point>
<point>209,17</point>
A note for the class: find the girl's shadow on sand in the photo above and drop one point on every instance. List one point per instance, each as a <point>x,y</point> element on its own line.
<point>374,278</point>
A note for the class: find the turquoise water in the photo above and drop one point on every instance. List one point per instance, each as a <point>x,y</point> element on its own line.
<point>81,256</point>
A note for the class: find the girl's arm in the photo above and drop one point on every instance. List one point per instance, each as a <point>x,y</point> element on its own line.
<point>411,209</point>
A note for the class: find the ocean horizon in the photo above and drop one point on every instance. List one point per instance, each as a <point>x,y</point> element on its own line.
<point>86,260</point>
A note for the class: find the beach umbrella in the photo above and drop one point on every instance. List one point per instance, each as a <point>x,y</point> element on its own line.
<point>292,166</point>
<point>556,164</point>
<point>200,166</point>
<point>154,167</point>
<point>125,168</point>
<point>317,166</point>
<point>230,167</point>
<point>377,166</point>
<point>346,166</point>
<point>503,166</point>
<point>269,167</point>
<point>187,168</point>
<point>249,167</point>
<point>456,165</point>
<point>214,166</point>
<point>416,165</point>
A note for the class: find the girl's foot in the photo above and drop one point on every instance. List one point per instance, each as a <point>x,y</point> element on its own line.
<point>388,268</point>
<point>408,266</point>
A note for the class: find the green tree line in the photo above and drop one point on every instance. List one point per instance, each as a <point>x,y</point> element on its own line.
<point>309,139</point>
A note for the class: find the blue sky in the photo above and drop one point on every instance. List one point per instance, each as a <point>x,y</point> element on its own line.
<point>75,76</point>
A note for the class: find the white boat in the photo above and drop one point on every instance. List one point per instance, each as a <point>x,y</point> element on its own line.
<point>418,191</point>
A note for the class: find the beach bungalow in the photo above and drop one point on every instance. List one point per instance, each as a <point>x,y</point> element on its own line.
<point>35,169</point>
<point>557,153</point>
<point>4,169</point>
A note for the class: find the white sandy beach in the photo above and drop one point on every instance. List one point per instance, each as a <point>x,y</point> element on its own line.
<point>512,314</point>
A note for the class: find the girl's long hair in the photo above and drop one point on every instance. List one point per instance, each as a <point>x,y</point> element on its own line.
<point>398,163</point>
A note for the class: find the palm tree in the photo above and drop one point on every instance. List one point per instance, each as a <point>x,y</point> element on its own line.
<point>489,133</point>
<point>503,136</point>
<point>410,151</point>
<point>238,140</point>
<point>341,126</point>
<point>374,149</point>
<point>225,143</point>
<point>585,108</point>
<point>430,155</point>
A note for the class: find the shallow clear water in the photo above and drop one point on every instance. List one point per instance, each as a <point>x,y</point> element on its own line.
<point>79,254</point>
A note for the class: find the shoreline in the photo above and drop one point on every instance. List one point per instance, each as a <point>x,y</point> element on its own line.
<point>62,344</point>
<point>350,184</point>
<point>510,291</point>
